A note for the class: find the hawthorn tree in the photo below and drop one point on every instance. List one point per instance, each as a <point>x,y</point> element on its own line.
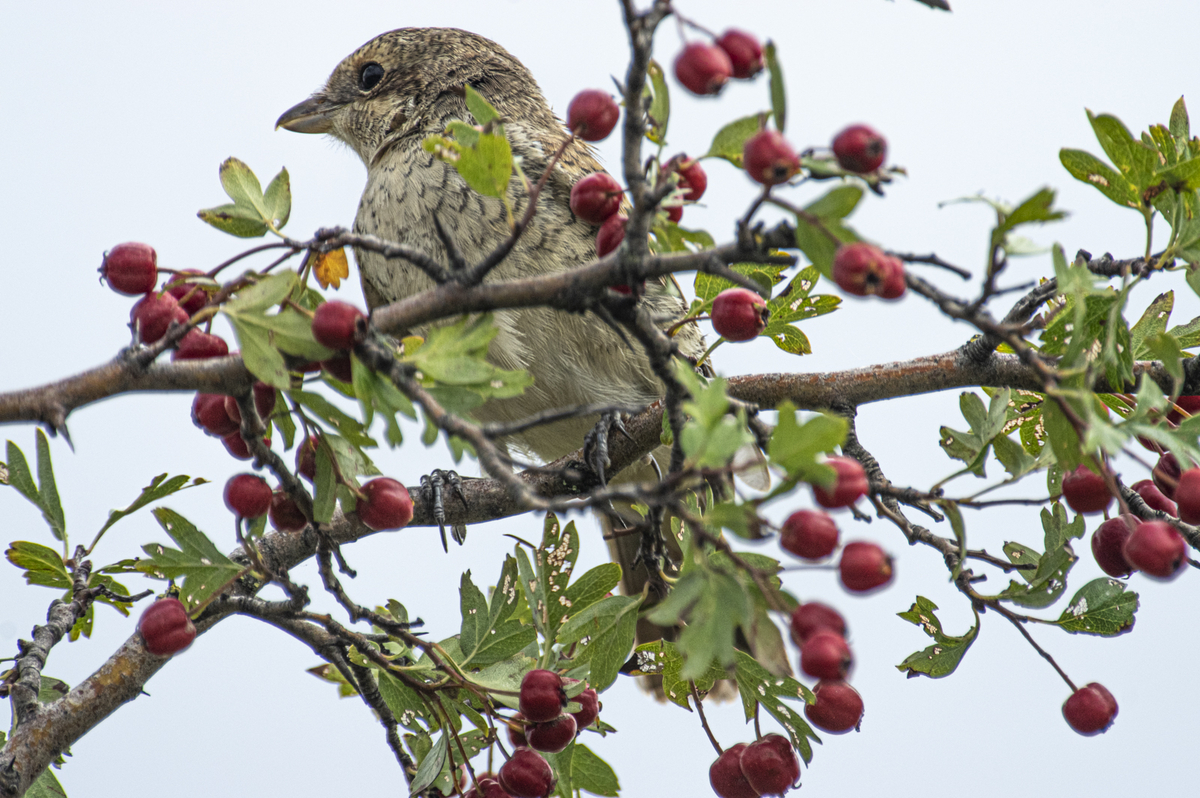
<point>1072,374</point>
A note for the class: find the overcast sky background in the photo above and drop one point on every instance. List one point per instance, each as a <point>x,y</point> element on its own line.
<point>117,117</point>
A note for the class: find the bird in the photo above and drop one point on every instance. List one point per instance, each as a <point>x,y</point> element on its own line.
<point>383,101</point>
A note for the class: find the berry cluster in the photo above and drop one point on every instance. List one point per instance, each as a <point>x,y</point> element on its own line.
<point>704,68</point>
<point>767,766</point>
<point>132,269</point>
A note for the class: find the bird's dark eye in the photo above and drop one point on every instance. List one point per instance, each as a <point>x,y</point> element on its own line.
<point>369,76</point>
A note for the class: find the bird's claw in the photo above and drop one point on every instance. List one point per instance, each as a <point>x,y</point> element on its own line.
<point>433,488</point>
<point>595,444</point>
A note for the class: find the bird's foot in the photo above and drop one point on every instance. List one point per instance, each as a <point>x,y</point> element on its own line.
<point>595,444</point>
<point>433,489</point>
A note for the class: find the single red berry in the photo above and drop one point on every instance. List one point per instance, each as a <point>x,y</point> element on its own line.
<point>611,234</point>
<point>863,269</point>
<point>851,484</point>
<point>153,314</point>
<point>1085,491</point>
<point>247,495</point>
<point>1156,549</point>
<point>130,269</point>
<point>739,314</point>
<point>235,444</point>
<point>770,765</point>
<point>592,114</point>
<point>1187,496</point>
<point>542,696</point>
<point>596,197</point>
<point>864,567</point>
<point>198,345</point>
<point>591,708</point>
<point>692,177</point>
<point>838,708</point>
<point>825,655</point>
<point>306,458</point>
<point>1166,473</point>
<point>1186,404</point>
<point>1090,710</point>
<point>486,787</point>
<point>284,514</point>
<point>516,731</point>
<point>725,775</point>
<point>208,413</point>
<point>553,735</point>
<point>769,159</point>
<point>810,534</point>
<point>339,367</point>
<point>1108,545</point>
<point>674,213</point>
<point>808,619</point>
<point>190,296</point>
<point>335,324</point>
<point>166,627</point>
<point>527,775</point>
<point>1154,498</point>
<point>264,399</point>
<point>744,51</point>
<point>385,505</point>
<point>858,148</point>
<point>703,69</point>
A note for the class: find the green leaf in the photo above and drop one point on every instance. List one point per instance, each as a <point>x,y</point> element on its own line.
<point>488,635</point>
<point>242,186</point>
<point>43,566</point>
<point>1179,120</point>
<point>794,447</point>
<point>488,166</point>
<point>261,358</point>
<point>838,203</point>
<point>592,774</point>
<point>278,199</point>
<point>778,95</point>
<point>160,487</point>
<point>707,286</point>
<point>659,108</point>
<point>347,426</point>
<point>1101,607</point>
<point>262,294</point>
<point>609,626</point>
<point>757,685</point>
<point>291,332</point>
<point>404,702</point>
<point>204,569</point>
<point>48,491</point>
<point>1088,168</point>
<point>431,765</point>
<point>1153,322</point>
<point>1183,176</point>
<point>714,605</point>
<point>236,220</point>
<point>480,108</point>
<point>731,139</point>
<point>325,486</point>
<point>947,651</point>
<point>591,587</point>
<point>19,476</point>
<point>46,785</point>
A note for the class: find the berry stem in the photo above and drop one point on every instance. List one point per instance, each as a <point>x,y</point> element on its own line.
<point>703,719</point>
<point>1016,621</point>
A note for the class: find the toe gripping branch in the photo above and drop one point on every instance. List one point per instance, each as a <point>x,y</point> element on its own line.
<point>433,489</point>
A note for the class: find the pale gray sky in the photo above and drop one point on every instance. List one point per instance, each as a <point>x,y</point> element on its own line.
<point>117,118</point>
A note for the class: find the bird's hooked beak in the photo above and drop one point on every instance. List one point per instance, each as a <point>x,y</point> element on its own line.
<point>314,115</point>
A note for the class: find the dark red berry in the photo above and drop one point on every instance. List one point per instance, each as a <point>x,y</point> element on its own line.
<point>339,367</point>
<point>1154,498</point>
<point>247,495</point>
<point>850,485</point>
<point>486,787</point>
<point>611,234</point>
<point>385,504</point>
<point>306,458</point>
<point>596,197</point>
<point>208,413</point>
<point>1166,474</point>
<point>1085,491</point>
<point>725,775</point>
<point>592,114</point>
<point>744,51</point>
<point>692,177</point>
<point>1090,710</point>
<point>810,534</point>
<point>130,269</point>
<point>553,735</point>
<point>1187,496</point>
<point>864,567</point>
<point>284,514</point>
<point>863,269</point>
<point>1156,549</point>
<point>858,148</point>
<point>808,619</point>
<point>235,444</point>
<point>198,345</point>
<point>769,159</point>
<point>591,708</point>
<point>825,655</point>
<point>166,627</point>
<point>153,314</point>
<point>739,314</point>
<point>335,324</point>
<point>770,765</point>
<point>1184,404</point>
<point>1108,545</point>
<point>542,696</point>
<point>191,297</point>
<point>838,708</point>
<point>527,775</point>
<point>674,213</point>
<point>264,399</point>
<point>703,69</point>
<point>516,731</point>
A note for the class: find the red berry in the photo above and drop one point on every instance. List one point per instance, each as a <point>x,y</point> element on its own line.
<point>191,297</point>
<point>306,458</point>
<point>198,345</point>
<point>611,234</point>
<point>1156,549</point>
<point>674,213</point>
<point>1085,491</point>
<point>339,367</point>
<point>1090,710</point>
<point>1187,404</point>
<point>166,627</point>
<point>596,197</point>
<point>863,269</point>
<point>769,159</point>
<point>810,534</point>
<point>385,505</point>
<point>592,114</point>
<point>247,495</point>
<point>864,567</point>
<point>703,69</point>
<point>553,735</point>
<point>516,731</point>
<point>335,324</point>
<point>725,775</point>
<point>825,655</point>
<point>859,149</point>
<point>1187,496</point>
<point>770,765</point>
<point>1166,473</point>
<point>527,775</point>
<point>739,314</point>
<point>486,787</point>
<point>591,708</point>
<point>208,413</point>
<point>744,51</point>
<point>851,484</point>
<point>692,177</point>
<point>153,314</point>
<point>130,269</point>
<point>284,514</point>
<point>264,403</point>
<point>1154,498</point>
<point>542,696</point>
<point>808,619</point>
<point>1108,545</point>
<point>235,444</point>
<point>838,708</point>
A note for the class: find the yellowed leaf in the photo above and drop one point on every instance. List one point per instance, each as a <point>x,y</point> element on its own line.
<point>331,267</point>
